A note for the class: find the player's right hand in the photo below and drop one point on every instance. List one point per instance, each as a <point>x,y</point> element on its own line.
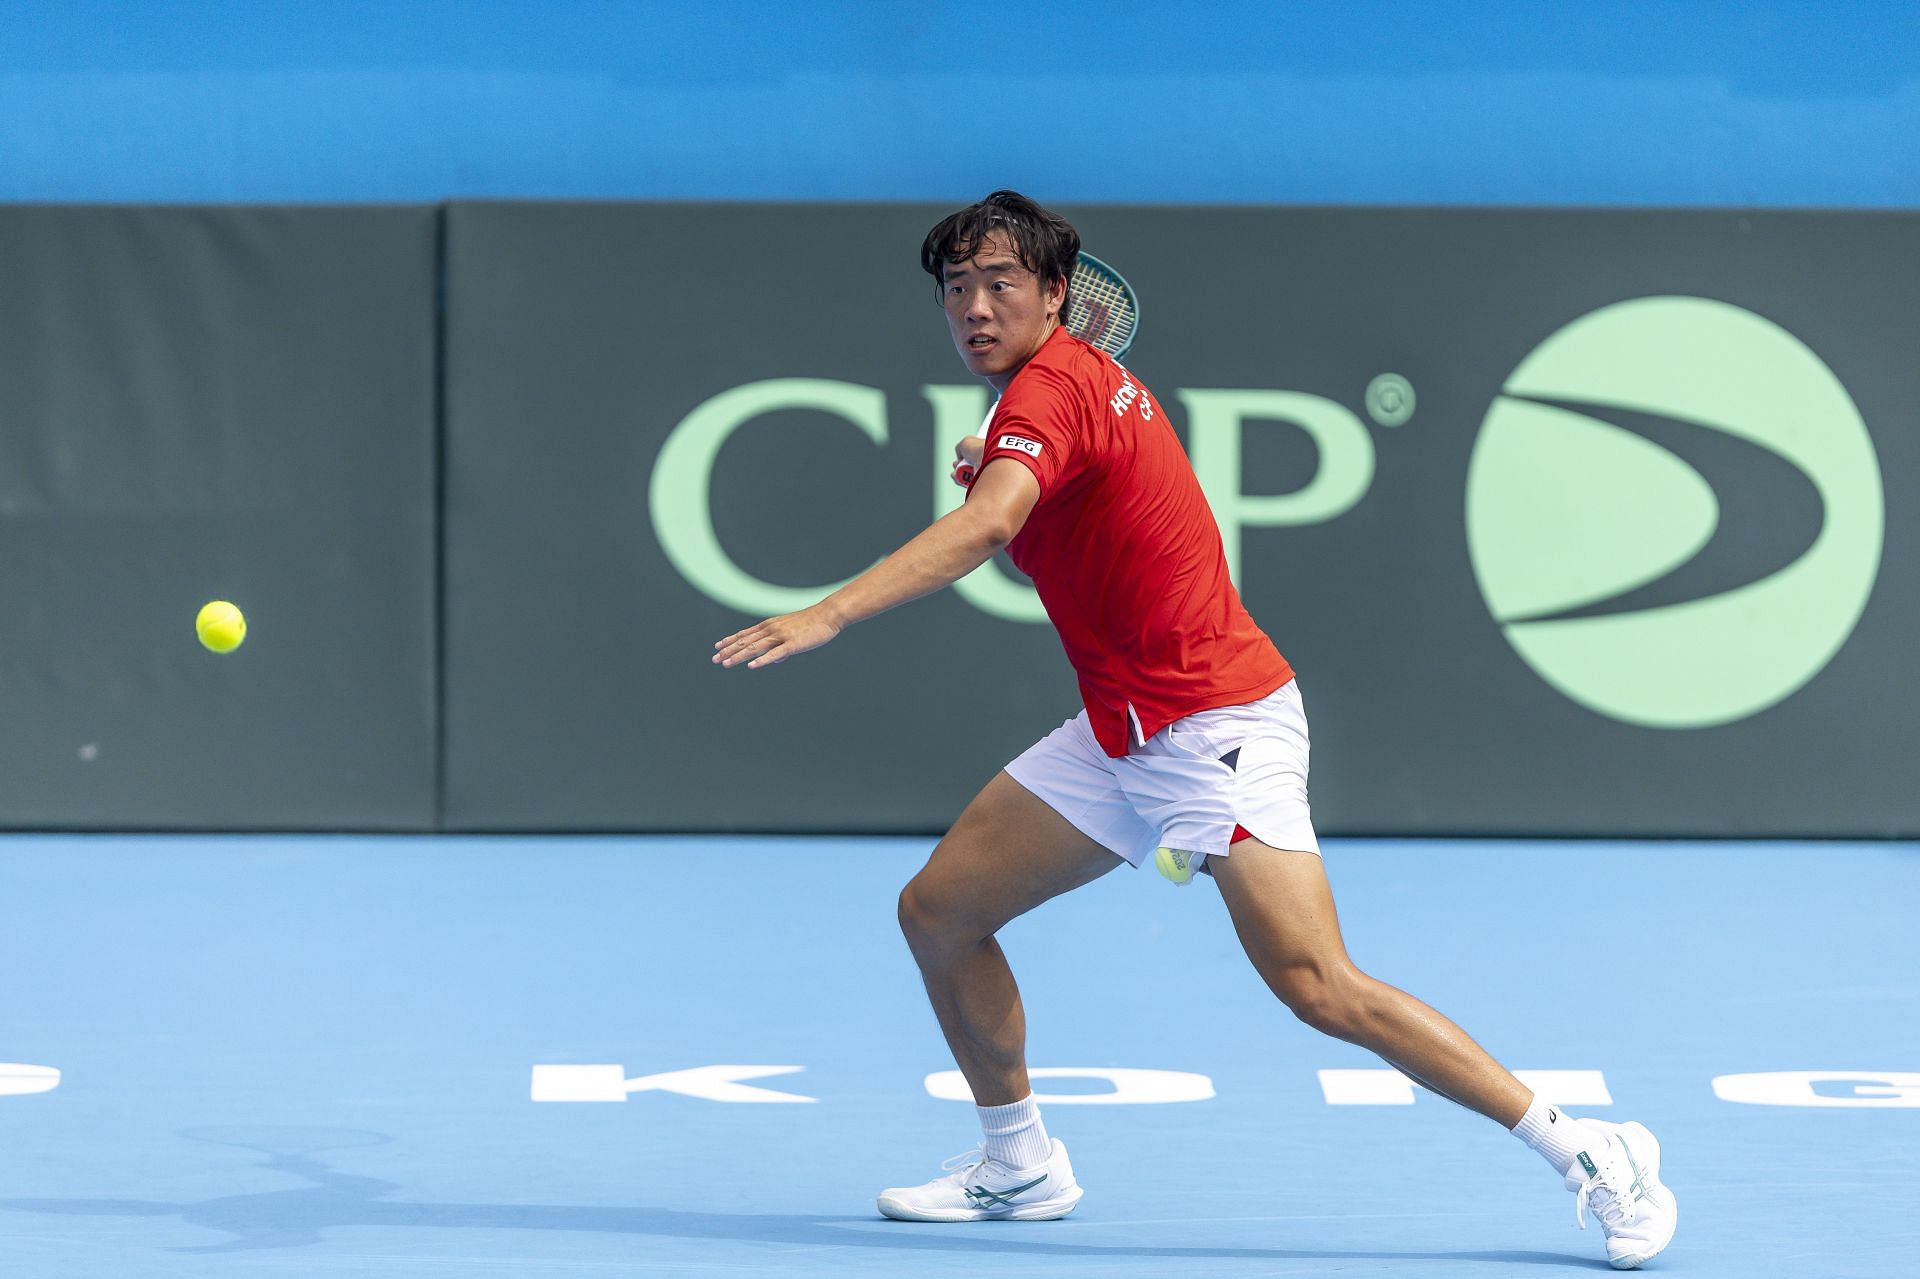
<point>966,460</point>
<point>775,640</point>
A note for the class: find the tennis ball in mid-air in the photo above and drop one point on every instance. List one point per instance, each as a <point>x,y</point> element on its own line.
<point>221,626</point>
<point>1175,864</point>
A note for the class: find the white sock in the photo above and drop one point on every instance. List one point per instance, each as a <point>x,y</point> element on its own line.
<point>1553,1134</point>
<point>1015,1136</point>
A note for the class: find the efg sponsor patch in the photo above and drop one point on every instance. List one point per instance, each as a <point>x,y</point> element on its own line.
<point>1030,447</point>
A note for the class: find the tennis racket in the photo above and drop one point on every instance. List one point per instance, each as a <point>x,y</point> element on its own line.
<point>1102,311</point>
<point>1101,307</point>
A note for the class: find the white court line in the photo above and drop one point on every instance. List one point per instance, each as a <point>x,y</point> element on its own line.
<point>17,1080</point>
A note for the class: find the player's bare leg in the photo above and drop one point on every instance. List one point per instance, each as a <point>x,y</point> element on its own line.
<point>1006,854</point>
<point>1282,909</point>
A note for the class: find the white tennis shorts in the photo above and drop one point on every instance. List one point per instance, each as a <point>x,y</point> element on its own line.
<point>1188,787</point>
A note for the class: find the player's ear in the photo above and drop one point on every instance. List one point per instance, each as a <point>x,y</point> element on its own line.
<point>1057,297</point>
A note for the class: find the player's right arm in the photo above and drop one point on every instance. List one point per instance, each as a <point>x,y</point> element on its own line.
<point>940,555</point>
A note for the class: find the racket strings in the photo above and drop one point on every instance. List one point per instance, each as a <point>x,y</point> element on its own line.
<point>1100,309</point>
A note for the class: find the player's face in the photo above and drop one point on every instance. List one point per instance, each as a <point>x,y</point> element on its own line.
<point>998,311</point>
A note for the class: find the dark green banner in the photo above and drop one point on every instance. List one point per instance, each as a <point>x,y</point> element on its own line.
<point>202,404</point>
<point>1573,523</point>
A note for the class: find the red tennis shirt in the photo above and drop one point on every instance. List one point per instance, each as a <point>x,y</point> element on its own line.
<point>1124,550</point>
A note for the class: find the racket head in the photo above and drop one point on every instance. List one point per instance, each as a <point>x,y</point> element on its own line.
<point>1101,306</point>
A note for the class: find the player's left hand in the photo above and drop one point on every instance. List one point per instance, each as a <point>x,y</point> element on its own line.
<point>966,460</point>
<point>775,640</point>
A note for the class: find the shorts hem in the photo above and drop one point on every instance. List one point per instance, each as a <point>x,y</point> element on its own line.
<point>1290,844</point>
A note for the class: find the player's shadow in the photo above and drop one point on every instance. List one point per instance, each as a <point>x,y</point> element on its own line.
<point>334,1200</point>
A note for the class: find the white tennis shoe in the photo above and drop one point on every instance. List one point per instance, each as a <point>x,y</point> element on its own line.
<point>977,1188</point>
<point>1618,1180</point>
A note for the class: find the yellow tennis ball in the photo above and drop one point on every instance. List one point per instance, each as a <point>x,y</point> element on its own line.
<point>221,626</point>
<point>1174,864</point>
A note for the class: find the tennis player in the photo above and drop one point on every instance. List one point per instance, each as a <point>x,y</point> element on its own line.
<point>1192,738</point>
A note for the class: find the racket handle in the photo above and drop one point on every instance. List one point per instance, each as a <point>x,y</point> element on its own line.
<point>963,473</point>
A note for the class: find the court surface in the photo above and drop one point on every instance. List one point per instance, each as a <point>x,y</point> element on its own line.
<point>316,1056</point>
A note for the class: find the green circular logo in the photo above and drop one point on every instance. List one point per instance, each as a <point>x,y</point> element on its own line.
<point>1567,510</point>
<point>1390,400</point>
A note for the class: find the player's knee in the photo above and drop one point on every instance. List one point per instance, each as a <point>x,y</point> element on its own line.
<point>921,919</point>
<point>912,912</point>
<point>1329,1000</point>
<point>932,919</point>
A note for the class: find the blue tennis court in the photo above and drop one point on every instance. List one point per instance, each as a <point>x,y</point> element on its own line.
<point>320,1056</point>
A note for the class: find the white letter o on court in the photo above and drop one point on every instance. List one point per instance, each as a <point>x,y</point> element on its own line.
<point>1795,1088</point>
<point>1130,1087</point>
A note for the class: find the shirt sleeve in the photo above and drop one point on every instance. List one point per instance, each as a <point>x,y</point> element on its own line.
<point>1037,425</point>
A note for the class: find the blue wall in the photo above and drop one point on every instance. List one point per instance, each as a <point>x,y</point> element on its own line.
<point>1761,103</point>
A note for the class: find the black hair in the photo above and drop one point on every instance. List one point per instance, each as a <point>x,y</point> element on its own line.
<point>1045,243</point>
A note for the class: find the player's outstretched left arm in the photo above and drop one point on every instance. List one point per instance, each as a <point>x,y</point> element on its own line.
<point>943,553</point>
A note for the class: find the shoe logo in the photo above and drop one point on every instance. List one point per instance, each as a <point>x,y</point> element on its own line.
<point>1639,1189</point>
<point>985,1198</point>
<point>1588,1165</point>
